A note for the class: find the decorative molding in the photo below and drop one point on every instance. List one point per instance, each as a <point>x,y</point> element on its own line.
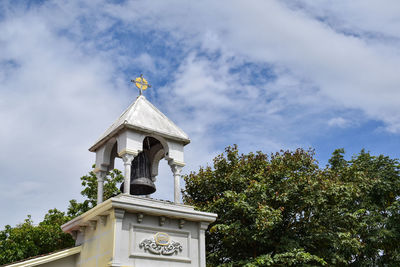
<point>135,204</point>
<point>176,162</point>
<point>93,225</point>
<point>160,244</point>
<point>176,169</point>
<point>127,158</point>
<point>103,219</point>
<point>203,225</point>
<point>140,232</point>
<point>119,214</point>
<point>74,234</point>
<point>103,168</point>
<point>140,217</point>
<point>162,220</point>
<point>124,152</point>
<point>181,223</point>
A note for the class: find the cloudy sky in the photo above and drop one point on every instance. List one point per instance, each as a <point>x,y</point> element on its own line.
<point>266,75</point>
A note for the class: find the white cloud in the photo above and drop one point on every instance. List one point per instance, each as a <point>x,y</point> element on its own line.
<point>62,80</point>
<point>366,18</point>
<point>339,122</point>
<point>348,71</point>
<point>55,100</point>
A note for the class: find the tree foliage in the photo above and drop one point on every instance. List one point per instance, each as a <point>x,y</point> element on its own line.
<point>278,210</point>
<point>28,240</point>
<point>89,184</point>
<point>284,210</point>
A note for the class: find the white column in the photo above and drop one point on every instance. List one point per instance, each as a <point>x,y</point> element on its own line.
<point>100,184</point>
<point>202,243</point>
<point>118,258</point>
<point>127,158</point>
<point>176,170</point>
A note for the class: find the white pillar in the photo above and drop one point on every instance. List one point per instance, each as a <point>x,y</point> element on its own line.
<point>127,158</point>
<point>176,170</point>
<point>100,185</point>
<point>202,243</point>
<point>118,257</point>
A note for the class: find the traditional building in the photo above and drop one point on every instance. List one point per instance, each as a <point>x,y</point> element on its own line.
<point>133,229</point>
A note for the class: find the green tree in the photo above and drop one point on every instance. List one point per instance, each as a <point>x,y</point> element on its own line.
<point>284,210</point>
<point>89,184</point>
<point>28,240</point>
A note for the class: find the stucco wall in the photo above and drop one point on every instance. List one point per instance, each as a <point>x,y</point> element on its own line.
<point>97,246</point>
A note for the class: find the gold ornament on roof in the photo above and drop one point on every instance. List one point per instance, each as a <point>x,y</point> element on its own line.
<point>141,83</point>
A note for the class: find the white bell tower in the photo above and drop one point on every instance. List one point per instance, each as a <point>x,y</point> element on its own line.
<point>128,135</point>
<point>128,230</point>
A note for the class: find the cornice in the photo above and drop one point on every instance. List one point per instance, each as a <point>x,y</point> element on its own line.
<point>134,204</point>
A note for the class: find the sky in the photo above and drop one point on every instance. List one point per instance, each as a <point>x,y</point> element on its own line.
<point>265,75</point>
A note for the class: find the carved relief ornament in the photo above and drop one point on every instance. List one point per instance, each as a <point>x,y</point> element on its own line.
<point>161,244</point>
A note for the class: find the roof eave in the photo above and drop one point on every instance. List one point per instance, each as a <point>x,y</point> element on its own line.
<point>39,261</point>
<point>93,148</point>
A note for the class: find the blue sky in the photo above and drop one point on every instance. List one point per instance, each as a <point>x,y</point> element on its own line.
<point>266,75</point>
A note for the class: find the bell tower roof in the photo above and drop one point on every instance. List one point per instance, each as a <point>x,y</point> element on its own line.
<point>142,116</point>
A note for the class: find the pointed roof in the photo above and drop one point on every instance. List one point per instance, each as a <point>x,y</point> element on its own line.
<point>143,116</point>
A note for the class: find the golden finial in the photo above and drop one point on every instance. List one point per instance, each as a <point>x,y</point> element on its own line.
<point>141,83</point>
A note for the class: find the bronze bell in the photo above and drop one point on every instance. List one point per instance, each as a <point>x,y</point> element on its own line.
<point>141,183</point>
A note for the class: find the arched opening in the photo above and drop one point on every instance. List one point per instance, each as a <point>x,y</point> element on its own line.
<point>155,152</point>
<point>157,149</point>
<point>113,155</point>
<point>144,167</point>
<point>165,182</point>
